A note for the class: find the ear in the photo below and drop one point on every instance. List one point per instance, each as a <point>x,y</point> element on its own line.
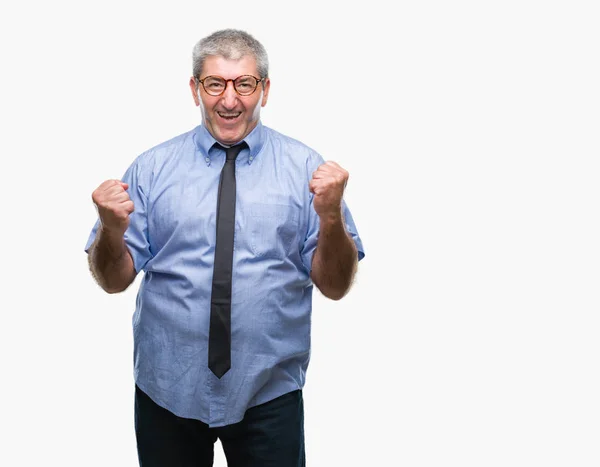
<point>194,90</point>
<point>266,87</point>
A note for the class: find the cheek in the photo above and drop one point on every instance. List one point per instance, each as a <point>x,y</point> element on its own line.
<point>254,115</point>
<point>202,108</point>
<point>254,109</point>
<point>206,104</point>
<point>206,108</point>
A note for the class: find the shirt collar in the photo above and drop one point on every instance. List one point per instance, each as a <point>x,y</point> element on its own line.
<point>205,141</point>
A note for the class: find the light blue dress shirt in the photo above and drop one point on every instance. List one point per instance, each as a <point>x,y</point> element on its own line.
<point>171,237</point>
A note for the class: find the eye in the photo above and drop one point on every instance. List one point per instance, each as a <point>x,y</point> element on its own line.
<point>214,84</point>
<point>245,84</point>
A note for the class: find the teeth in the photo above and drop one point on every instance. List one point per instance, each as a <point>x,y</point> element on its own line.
<point>229,115</point>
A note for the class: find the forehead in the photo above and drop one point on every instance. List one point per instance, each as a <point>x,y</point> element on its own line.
<point>229,69</point>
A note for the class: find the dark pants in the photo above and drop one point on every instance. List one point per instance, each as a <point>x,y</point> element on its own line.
<point>270,435</point>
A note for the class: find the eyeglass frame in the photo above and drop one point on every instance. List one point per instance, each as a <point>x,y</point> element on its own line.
<point>201,81</point>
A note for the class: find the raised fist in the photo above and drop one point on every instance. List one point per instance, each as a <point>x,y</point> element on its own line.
<point>327,184</point>
<point>114,206</point>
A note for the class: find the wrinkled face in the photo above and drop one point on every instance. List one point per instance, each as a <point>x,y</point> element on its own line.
<point>230,117</point>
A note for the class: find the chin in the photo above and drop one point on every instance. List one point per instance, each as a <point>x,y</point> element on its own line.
<point>231,137</point>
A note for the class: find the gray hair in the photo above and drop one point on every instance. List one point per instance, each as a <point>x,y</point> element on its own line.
<point>231,44</point>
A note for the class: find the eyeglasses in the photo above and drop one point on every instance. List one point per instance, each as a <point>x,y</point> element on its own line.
<point>244,85</point>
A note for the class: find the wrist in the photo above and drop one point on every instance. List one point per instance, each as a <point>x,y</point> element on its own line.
<point>331,218</point>
<point>111,234</point>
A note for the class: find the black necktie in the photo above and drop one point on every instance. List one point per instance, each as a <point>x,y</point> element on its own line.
<point>219,340</point>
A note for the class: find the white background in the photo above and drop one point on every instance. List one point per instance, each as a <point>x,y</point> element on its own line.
<point>470,131</point>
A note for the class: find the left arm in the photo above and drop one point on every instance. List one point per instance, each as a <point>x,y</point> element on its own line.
<point>335,260</point>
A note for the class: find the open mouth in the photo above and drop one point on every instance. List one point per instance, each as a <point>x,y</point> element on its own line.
<point>229,116</point>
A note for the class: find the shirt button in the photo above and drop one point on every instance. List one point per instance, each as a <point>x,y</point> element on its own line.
<point>251,157</point>
<point>206,159</point>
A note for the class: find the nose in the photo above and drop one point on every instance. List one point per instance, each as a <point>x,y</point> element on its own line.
<point>229,96</point>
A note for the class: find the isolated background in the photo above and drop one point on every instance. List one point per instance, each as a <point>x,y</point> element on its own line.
<point>470,131</point>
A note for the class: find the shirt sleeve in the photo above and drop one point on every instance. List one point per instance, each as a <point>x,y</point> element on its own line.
<point>310,242</point>
<point>136,235</point>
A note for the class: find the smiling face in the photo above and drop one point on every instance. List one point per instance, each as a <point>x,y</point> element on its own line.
<point>230,117</point>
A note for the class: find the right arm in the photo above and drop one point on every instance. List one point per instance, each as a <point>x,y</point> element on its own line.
<point>110,262</point>
<point>109,258</point>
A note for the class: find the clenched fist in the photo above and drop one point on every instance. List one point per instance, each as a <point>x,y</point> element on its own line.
<point>327,184</point>
<point>114,206</point>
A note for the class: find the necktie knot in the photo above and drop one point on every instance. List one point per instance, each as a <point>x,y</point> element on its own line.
<point>232,152</point>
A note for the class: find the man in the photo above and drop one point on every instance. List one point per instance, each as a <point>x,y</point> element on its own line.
<point>232,223</point>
